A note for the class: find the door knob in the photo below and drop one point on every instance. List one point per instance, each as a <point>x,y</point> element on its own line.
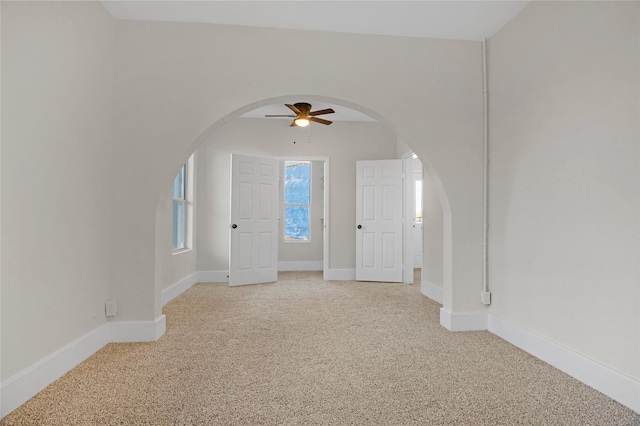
<point>234,226</point>
<point>359,226</point>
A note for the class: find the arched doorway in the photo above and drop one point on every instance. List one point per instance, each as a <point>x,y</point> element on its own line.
<point>213,137</point>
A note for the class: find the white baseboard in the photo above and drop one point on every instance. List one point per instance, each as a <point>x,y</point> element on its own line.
<point>463,321</point>
<point>432,291</point>
<point>213,276</point>
<point>340,275</point>
<point>309,265</point>
<point>21,387</point>
<point>178,288</point>
<point>138,331</point>
<point>615,385</point>
<point>175,290</point>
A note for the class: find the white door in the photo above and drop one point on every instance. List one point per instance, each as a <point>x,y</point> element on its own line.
<point>417,219</point>
<point>253,239</point>
<point>379,220</point>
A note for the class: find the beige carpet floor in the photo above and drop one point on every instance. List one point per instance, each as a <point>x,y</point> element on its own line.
<point>303,351</point>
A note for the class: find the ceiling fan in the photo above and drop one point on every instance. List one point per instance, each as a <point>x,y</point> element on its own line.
<point>303,114</point>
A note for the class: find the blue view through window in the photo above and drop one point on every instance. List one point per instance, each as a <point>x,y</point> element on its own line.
<point>297,199</point>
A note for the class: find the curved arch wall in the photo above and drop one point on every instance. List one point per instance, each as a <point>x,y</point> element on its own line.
<point>173,82</point>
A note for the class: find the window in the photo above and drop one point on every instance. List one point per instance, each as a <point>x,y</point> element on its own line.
<point>418,198</point>
<point>183,195</point>
<point>297,200</point>
<point>180,209</point>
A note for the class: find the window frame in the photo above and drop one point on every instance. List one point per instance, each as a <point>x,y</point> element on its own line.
<point>308,205</point>
<point>187,203</point>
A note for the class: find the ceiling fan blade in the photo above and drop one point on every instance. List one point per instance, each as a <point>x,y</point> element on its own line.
<point>293,124</point>
<point>320,120</point>
<point>292,108</point>
<point>279,115</point>
<point>321,112</point>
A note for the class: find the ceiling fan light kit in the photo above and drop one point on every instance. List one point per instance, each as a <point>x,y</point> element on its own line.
<point>301,122</point>
<point>303,114</point>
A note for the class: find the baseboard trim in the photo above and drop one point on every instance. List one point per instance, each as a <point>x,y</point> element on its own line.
<point>138,331</point>
<point>432,291</point>
<point>309,265</point>
<point>178,288</point>
<point>19,388</point>
<point>340,275</point>
<point>615,385</point>
<point>213,276</point>
<point>463,321</point>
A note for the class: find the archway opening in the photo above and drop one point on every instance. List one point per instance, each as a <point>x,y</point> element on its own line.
<point>209,140</point>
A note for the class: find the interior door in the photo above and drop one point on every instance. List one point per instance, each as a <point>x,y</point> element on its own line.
<point>253,231</point>
<point>417,219</point>
<point>379,220</point>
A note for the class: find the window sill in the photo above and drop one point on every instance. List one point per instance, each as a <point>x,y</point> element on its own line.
<point>180,251</point>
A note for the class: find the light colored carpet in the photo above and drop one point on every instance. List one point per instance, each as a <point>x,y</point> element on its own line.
<point>303,351</point>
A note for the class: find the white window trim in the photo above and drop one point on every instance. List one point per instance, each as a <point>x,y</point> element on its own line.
<point>189,183</point>
<point>284,205</point>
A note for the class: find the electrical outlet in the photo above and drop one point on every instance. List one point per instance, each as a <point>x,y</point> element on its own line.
<point>485,297</point>
<point>110,308</point>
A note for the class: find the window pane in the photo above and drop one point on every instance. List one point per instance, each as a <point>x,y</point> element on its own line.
<point>297,223</point>
<point>297,180</point>
<point>178,184</point>
<point>418,201</point>
<point>178,225</point>
<point>297,198</point>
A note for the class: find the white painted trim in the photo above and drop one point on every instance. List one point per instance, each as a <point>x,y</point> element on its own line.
<point>407,229</point>
<point>326,234</point>
<point>178,288</point>
<point>615,385</point>
<point>340,275</point>
<point>325,214</point>
<point>432,291</point>
<point>213,276</point>
<point>463,321</point>
<point>310,265</point>
<point>138,331</point>
<point>19,388</point>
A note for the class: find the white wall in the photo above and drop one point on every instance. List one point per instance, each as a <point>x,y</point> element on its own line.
<point>343,143</point>
<point>56,175</point>
<point>83,195</point>
<point>433,229</point>
<point>172,267</point>
<point>564,177</point>
<point>432,239</point>
<point>175,85</point>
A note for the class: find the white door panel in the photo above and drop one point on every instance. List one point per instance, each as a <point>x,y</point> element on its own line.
<point>379,219</point>
<point>417,219</point>
<point>253,241</point>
